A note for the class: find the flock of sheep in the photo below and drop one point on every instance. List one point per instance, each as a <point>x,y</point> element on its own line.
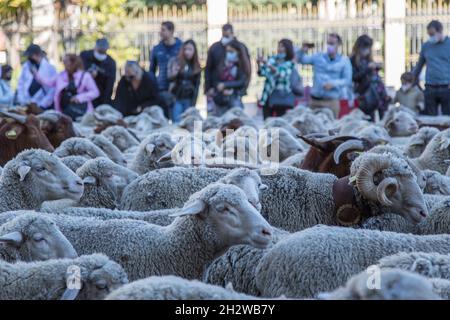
<point>145,209</point>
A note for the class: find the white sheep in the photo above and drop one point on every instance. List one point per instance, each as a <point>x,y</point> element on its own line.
<point>280,142</point>
<point>121,137</point>
<point>400,122</point>
<point>151,149</point>
<point>74,162</point>
<point>212,221</point>
<point>322,258</point>
<point>394,285</point>
<point>35,176</point>
<point>309,123</point>
<point>436,183</point>
<point>435,153</point>
<point>104,182</point>
<point>418,142</point>
<point>271,123</point>
<point>32,237</point>
<point>157,114</point>
<point>48,280</point>
<point>111,151</point>
<point>79,147</point>
<point>174,288</point>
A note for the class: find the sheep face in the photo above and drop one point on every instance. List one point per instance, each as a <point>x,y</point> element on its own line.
<point>233,219</point>
<point>79,147</point>
<point>50,178</point>
<point>402,124</point>
<point>36,239</point>
<point>375,135</point>
<point>120,137</point>
<point>97,281</point>
<point>157,146</point>
<point>436,183</point>
<point>109,149</point>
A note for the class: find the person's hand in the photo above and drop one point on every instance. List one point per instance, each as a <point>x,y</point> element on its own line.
<point>372,65</point>
<point>328,86</point>
<point>33,70</point>
<point>75,99</point>
<point>228,92</point>
<point>93,73</point>
<point>220,87</point>
<point>272,68</point>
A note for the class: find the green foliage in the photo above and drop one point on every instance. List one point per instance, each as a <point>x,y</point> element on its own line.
<point>8,7</point>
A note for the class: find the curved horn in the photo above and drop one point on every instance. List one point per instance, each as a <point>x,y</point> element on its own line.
<point>19,118</point>
<point>347,146</point>
<point>364,177</point>
<point>383,189</point>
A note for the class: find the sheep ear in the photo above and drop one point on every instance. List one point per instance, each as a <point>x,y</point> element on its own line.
<point>23,170</point>
<point>445,143</point>
<point>149,148</point>
<point>263,187</point>
<point>89,180</point>
<point>190,209</point>
<point>14,238</point>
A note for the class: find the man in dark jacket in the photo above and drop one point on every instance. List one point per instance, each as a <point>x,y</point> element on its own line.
<point>102,68</point>
<point>160,56</point>
<point>216,55</point>
<point>136,90</point>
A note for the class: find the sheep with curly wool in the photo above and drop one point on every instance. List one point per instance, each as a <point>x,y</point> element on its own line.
<point>213,220</point>
<point>48,280</point>
<point>104,182</point>
<point>191,111</point>
<point>111,151</point>
<point>151,149</point>
<point>430,264</point>
<point>400,122</point>
<point>211,122</point>
<point>309,123</point>
<point>435,153</point>
<point>394,285</point>
<point>322,258</point>
<point>436,183</point>
<point>237,266</point>
<point>170,188</point>
<point>74,162</point>
<point>157,114</point>
<point>35,176</point>
<point>33,237</point>
<point>79,147</point>
<point>121,137</point>
<point>280,145</point>
<point>281,123</point>
<point>418,142</point>
<point>174,288</point>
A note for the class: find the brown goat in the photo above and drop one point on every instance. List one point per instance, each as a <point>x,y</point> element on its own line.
<point>332,155</point>
<point>18,133</point>
<point>57,127</point>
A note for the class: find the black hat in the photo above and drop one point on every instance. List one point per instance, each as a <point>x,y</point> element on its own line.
<point>102,44</point>
<point>32,49</point>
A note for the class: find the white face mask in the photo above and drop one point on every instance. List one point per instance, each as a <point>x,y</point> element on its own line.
<point>100,56</point>
<point>406,87</point>
<point>226,40</point>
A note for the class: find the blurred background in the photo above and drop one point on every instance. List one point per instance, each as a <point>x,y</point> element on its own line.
<point>132,26</point>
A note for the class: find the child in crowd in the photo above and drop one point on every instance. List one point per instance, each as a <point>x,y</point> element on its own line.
<point>410,95</point>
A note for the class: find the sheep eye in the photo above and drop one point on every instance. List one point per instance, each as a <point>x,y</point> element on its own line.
<point>101,285</point>
<point>40,169</point>
<point>38,237</point>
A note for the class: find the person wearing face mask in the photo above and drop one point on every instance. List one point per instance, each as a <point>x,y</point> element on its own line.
<point>29,90</point>
<point>216,55</point>
<point>184,72</point>
<point>435,54</point>
<point>6,93</point>
<point>102,68</point>
<point>230,83</point>
<point>136,90</point>
<point>278,95</point>
<point>332,74</point>
<point>409,94</point>
<point>371,95</point>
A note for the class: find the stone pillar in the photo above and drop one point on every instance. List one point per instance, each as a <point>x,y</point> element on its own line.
<point>43,26</point>
<point>217,17</point>
<point>395,41</point>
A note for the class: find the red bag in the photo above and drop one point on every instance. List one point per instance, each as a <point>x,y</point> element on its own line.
<point>347,106</point>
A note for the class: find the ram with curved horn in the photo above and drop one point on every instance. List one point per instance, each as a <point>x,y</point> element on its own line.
<point>332,154</point>
<point>18,133</point>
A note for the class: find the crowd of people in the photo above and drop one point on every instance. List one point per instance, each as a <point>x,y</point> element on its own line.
<point>173,79</point>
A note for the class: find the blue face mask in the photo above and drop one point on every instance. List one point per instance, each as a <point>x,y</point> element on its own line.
<point>281,56</point>
<point>232,56</point>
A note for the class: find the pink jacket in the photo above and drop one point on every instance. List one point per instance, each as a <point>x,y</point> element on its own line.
<point>87,90</point>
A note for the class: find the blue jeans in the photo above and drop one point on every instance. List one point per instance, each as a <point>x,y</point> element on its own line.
<point>179,107</point>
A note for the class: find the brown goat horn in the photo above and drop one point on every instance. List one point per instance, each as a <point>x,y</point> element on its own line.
<point>364,177</point>
<point>347,146</point>
<point>19,118</point>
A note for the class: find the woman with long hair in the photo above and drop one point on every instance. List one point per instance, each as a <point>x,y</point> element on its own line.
<point>278,96</point>
<point>184,74</point>
<point>75,89</point>
<point>231,82</point>
<point>367,84</point>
